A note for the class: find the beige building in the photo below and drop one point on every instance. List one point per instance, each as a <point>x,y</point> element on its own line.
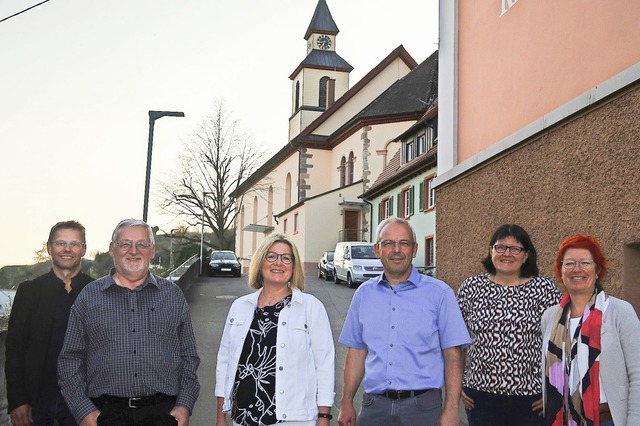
<point>538,125</point>
<point>337,147</point>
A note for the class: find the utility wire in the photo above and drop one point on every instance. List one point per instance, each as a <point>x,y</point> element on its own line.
<point>29,8</point>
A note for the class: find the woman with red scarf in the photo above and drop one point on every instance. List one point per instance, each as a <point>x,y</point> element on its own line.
<point>591,350</point>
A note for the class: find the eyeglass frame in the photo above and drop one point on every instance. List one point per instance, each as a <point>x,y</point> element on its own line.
<point>127,245</point>
<point>580,262</point>
<point>518,251</point>
<point>387,244</point>
<point>73,245</point>
<point>279,256</point>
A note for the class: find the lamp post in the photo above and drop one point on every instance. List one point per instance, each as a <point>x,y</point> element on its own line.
<point>204,202</point>
<point>153,116</point>
<point>171,250</point>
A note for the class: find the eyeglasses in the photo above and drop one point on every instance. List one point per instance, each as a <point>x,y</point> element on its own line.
<point>388,244</point>
<point>285,258</point>
<point>62,245</point>
<point>501,248</point>
<point>127,245</point>
<point>571,264</point>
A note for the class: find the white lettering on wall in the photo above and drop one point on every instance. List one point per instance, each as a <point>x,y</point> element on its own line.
<point>506,5</point>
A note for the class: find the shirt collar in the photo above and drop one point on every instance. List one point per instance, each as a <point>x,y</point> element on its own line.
<point>414,279</point>
<point>109,281</point>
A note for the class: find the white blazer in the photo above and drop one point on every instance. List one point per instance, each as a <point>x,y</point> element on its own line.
<point>619,359</point>
<point>305,355</point>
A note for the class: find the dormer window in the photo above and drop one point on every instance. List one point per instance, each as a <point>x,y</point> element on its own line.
<point>409,150</point>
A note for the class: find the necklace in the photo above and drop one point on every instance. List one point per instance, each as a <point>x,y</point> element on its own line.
<point>270,301</point>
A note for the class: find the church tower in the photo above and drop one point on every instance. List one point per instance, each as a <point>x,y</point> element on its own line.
<point>322,77</point>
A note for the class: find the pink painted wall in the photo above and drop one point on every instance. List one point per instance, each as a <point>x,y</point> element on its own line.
<point>534,58</point>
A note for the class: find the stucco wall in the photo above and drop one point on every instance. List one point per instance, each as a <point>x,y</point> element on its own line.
<point>582,176</point>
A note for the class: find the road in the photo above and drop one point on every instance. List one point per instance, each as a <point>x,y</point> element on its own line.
<point>210,299</point>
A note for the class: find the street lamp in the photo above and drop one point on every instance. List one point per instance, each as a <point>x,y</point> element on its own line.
<point>153,116</point>
<point>171,249</point>
<point>204,199</point>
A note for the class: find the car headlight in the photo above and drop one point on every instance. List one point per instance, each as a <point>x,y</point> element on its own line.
<point>357,267</point>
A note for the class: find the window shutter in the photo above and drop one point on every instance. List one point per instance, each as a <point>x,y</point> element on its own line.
<point>400,205</point>
<point>421,197</point>
<point>411,199</point>
<point>390,206</point>
<point>380,212</point>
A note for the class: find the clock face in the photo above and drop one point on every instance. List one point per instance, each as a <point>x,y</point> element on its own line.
<point>324,42</point>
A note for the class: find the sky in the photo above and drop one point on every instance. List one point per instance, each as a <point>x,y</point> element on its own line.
<point>77,79</point>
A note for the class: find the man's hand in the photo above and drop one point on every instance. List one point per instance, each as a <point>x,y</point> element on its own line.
<point>181,414</point>
<point>21,416</point>
<point>449,417</point>
<point>347,416</point>
<point>91,419</point>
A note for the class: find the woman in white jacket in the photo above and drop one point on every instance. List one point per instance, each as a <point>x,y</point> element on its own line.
<point>590,361</point>
<point>276,358</point>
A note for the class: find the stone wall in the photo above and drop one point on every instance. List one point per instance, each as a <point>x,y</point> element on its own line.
<point>582,176</point>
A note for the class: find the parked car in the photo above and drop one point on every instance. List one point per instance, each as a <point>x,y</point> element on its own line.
<point>325,266</point>
<point>355,262</point>
<point>223,262</point>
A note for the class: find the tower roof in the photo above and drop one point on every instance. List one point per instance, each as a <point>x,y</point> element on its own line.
<point>322,21</point>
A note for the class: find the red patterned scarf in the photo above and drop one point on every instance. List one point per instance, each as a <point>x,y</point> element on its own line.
<point>572,381</point>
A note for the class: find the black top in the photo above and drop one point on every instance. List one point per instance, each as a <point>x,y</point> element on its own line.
<point>30,335</point>
<point>253,395</point>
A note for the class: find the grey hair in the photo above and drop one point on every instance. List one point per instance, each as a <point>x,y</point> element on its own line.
<point>125,223</point>
<point>397,220</point>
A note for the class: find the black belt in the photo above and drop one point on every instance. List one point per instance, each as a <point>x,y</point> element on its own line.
<point>399,394</point>
<point>134,402</point>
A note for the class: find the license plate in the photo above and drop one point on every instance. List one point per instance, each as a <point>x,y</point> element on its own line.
<point>225,269</point>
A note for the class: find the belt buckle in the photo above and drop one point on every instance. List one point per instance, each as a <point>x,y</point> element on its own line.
<point>133,400</point>
<point>397,394</point>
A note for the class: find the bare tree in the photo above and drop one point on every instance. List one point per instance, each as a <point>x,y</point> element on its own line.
<point>216,159</point>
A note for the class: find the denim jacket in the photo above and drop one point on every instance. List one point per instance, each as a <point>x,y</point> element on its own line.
<point>305,355</point>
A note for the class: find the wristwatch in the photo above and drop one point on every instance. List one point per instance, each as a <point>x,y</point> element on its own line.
<point>325,416</point>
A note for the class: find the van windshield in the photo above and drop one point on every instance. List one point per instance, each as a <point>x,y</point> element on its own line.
<point>362,252</point>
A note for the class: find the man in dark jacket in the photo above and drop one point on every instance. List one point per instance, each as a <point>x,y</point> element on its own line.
<point>37,326</point>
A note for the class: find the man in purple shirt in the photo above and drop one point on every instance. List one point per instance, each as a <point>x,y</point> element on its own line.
<point>405,335</point>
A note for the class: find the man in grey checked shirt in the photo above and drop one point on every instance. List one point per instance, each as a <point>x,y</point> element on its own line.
<point>129,355</point>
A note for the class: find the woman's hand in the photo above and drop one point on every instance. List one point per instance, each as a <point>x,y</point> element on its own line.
<point>538,407</point>
<point>467,401</point>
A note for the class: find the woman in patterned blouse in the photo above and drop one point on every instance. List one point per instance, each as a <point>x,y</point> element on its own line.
<point>276,358</point>
<point>502,309</point>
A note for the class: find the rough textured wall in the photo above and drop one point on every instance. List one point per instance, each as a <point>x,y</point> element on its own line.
<point>579,177</point>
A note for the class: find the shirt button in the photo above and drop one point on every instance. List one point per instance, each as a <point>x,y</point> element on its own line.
<point>390,363</point>
<point>284,323</point>
<point>134,330</point>
<point>391,345</point>
<point>393,309</point>
<point>281,392</point>
<point>280,368</point>
<point>393,327</point>
<point>282,345</point>
<point>284,416</point>
<point>231,320</point>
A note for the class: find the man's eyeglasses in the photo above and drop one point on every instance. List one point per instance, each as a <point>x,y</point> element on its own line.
<point>272,257</point>
<point>388,244</point>
<point>127,245</point>
<point>571,264</point>
<point>62,245</point>
<point>501,248</point>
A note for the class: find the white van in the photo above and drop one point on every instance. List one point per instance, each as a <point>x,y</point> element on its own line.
<point>355,263</point>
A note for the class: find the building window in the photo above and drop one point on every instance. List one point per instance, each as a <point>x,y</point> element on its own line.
<point>350,168</point>
<point>431,194</point>
<point>284,226</point>
<point>287,191</point>
<point>406,202</point>
<point>295,223</point>
<point>297,95</point>
<point>432,134</point>
<point>343,172</point>
<point>427,197</point>
<point>409,152</point>
<point>429,252</point>
<point>422,144</point>
<point>322,95</point>
<point>386,208</point>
